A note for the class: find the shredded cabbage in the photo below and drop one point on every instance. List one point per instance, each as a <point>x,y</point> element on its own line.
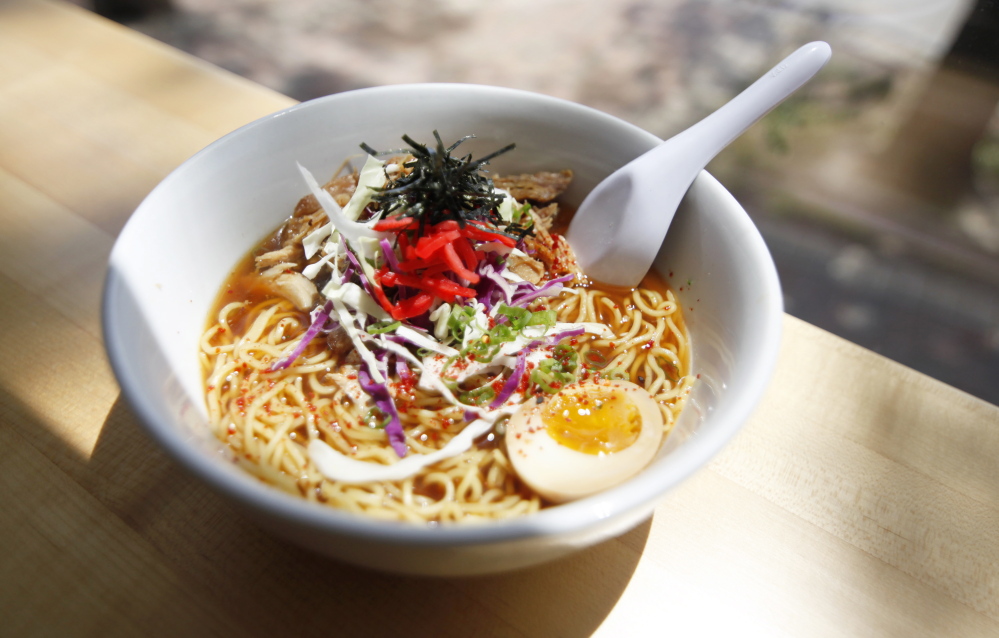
<point>349,229</point>
<point>356,298</point>
<point>496,333</point>
<point>372,176</point>
<point>338,467</point>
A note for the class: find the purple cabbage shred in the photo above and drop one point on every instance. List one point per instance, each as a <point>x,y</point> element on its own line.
<point>551,288</point>
<point>512,381</point>
<point>319,324</point>
<point>402,369</point>
<point>357,267</point>
<point>390,258</point>
<point>379,393</point>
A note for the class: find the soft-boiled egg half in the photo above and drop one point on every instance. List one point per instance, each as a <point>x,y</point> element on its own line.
<point>584,439</point>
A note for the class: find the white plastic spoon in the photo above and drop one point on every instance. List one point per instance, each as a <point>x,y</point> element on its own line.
<point>620,226</point>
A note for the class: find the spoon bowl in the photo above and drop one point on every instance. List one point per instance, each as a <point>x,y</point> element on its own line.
<point>620,226</point>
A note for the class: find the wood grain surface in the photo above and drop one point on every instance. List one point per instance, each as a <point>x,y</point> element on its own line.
<point>861,500</point>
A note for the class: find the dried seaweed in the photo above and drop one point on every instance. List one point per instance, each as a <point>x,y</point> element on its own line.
<point>439,186</point>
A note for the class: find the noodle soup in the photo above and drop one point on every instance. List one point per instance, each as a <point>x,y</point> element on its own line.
<point>386,354</point>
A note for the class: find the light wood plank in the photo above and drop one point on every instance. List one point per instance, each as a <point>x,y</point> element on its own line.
<point>61,375</point>
<point>53,252</point>
<point>71,569</point>
<point>179,84</point>
<point>935,522</point>
<point>722,560</point>
<point>96,130</point>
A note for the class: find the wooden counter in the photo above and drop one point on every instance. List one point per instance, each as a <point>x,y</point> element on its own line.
<point>861,500</point>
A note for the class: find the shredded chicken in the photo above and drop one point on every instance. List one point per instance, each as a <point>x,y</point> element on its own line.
<point>284,252</point>
<point>548,252</point>
<point>554,252</point>
<point>540,187</point>
<point>309,216</point>
<point>528,268</point>
<point>341,188</point>
<point>287,254</point>
<point>545,217</point>
<point>296,288</point>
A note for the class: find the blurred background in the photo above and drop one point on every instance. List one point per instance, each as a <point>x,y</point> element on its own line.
<point>876,186</point>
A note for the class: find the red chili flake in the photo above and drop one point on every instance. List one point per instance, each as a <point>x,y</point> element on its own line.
<point>671,273</point>
<point>698,376</point>
<point>406,385</point>
<point>524,384</point>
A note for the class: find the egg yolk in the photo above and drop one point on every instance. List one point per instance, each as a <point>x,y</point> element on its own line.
<point>592,421</point>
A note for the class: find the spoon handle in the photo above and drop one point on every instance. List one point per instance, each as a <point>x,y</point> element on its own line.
<point>719,129</point>
<point>619,227</point>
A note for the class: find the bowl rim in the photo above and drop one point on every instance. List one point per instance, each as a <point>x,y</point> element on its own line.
<point>642,491</point>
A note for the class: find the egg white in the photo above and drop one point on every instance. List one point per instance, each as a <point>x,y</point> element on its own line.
<point>561,474</point>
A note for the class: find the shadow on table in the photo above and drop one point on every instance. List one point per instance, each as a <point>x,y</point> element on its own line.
<point>266,585</point>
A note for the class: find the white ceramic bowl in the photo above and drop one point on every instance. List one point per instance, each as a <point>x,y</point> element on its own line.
<point>169,261</point>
